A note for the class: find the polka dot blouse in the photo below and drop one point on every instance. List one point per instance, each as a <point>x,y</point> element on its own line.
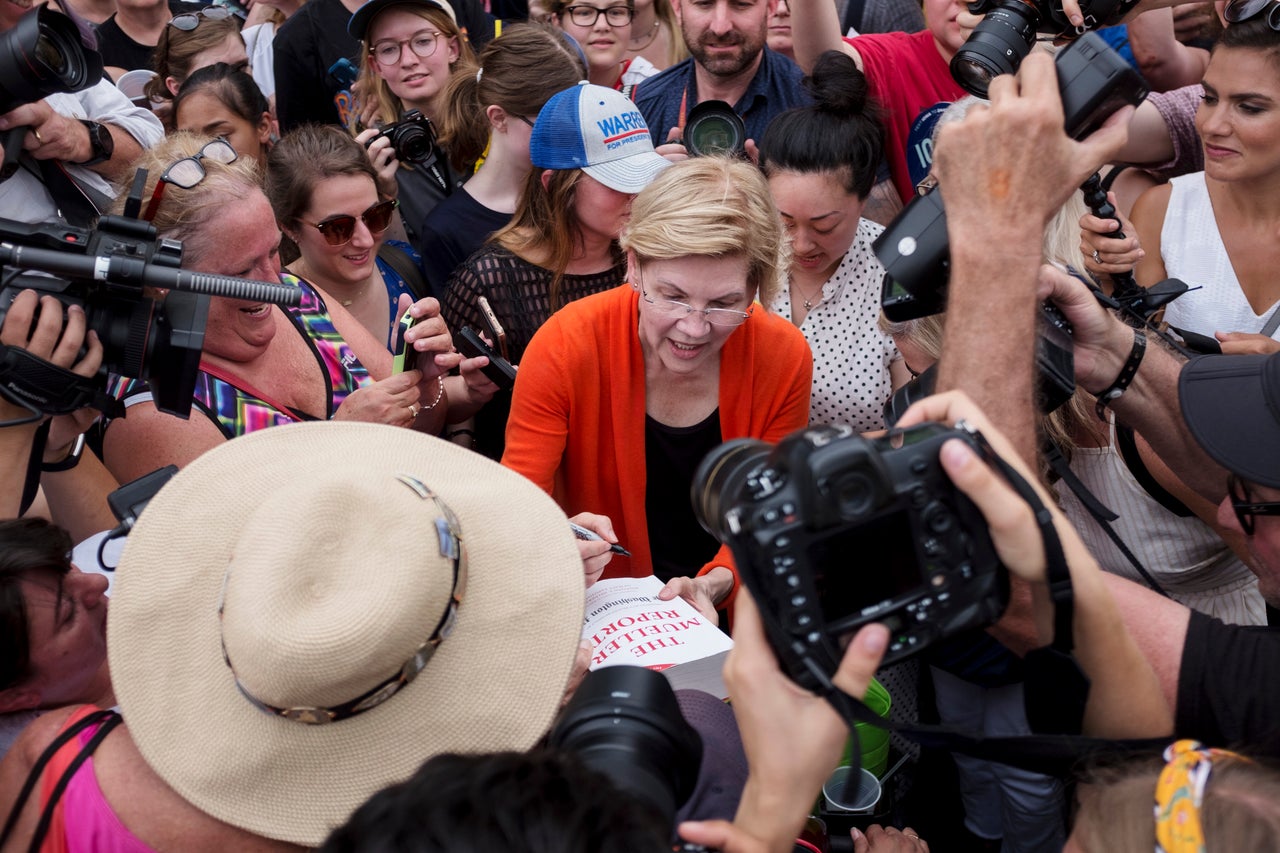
<point>851,355</point>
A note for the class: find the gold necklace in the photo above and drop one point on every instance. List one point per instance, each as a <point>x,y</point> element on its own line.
<point>653,34</point>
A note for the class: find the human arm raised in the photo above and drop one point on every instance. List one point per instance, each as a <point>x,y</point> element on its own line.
<point>815,29</point>
<point>1006,170</point>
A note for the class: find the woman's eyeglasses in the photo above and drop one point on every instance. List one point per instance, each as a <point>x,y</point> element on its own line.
<point>190,20</point>
<point>586,16</point>
<point>338,230</point>
<point>1239,11</point>
<point>423,44</point>
<point>1245,506</point>
<point>189,171</point>
<point>680,310</point>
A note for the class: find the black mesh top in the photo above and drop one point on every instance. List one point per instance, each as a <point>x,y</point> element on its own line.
<point>519,293</point>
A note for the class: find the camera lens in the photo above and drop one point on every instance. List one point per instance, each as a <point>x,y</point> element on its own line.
<point>42,56</point>
<point>625,722</point>
<point>412,144</point>
<point>998,46</point>
<point>720,477</point>
<point>714,128</point>
<point>48,54</point>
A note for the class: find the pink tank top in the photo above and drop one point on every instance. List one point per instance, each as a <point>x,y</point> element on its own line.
<point>83,821</point>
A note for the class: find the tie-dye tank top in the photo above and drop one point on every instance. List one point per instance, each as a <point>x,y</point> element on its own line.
<point>236,411</point>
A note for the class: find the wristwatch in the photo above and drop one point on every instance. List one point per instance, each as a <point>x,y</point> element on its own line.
<point>71,460</point>
<point>100,141</point>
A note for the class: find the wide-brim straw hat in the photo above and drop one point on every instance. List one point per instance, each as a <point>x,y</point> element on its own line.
<point>317,557</point>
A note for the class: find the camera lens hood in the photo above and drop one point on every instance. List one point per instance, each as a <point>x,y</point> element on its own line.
<point>998,46</point>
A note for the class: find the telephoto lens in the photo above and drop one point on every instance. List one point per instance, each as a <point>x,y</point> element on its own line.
<point>42,56</point>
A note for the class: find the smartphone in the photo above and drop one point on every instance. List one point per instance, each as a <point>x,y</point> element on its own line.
<point>499,370</point>
<point>403,352</point>
<point>497,334</point>
<point>128,501</point>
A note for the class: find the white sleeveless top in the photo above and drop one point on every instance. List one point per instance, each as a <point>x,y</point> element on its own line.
<point>1185,556</point>
<point>1192,249</point>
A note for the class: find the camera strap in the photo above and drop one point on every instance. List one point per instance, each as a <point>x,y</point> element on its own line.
<point>39,386</point>
<point>1098,511</point>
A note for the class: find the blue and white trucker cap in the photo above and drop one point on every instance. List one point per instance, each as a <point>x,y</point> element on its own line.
<point>599,131</point>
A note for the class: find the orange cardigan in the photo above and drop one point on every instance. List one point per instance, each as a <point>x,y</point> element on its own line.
<point>578,409</point>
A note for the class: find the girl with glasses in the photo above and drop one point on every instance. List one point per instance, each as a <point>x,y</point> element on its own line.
<point>603,29</point>
<point>409,52</point>
<point>325,195</point>
<point>621,394</point>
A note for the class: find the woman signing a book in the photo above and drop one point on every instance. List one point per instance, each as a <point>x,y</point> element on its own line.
<point>620,395</point>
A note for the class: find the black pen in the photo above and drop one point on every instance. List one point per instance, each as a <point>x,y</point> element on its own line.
<point>591,536</point>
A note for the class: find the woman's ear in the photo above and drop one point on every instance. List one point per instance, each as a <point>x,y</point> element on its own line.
<point>264,129</point>
<point>455,50</point>
<point>172,84</point>
<point>545,177</point>
<point>633,271</point>
<point>497,117</point>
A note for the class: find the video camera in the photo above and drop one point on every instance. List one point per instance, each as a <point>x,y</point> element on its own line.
<point>149,314</point>
<point>831,531</point>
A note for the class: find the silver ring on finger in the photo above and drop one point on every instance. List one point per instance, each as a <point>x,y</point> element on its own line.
<point>414,409</point>
<point>1096,259</point>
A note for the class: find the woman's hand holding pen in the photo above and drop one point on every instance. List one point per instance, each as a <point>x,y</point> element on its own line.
<point>597,543</point>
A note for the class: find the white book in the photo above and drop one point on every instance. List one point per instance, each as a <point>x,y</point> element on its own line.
<point>627,624</point>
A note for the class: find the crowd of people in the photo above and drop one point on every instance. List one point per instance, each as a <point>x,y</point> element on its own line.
<point>255,671</point>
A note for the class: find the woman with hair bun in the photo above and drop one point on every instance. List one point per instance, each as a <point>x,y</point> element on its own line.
<point>821,163</point>
<point>223,100</point>
<point>488,119</point>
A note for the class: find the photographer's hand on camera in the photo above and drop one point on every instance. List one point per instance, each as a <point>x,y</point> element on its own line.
<point>1125,699</point>
<point>382,156</point>
<point>82,510</point>
<point>1103,255</point>
<point>792,738</point>
<point>54,136</point>
<point>1010,166</point>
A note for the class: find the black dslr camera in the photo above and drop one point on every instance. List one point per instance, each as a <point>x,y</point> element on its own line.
<point>41,56</point>
<point>414,139</point>
<point>831,531</point>
<point>1007,33</point>
<point>149,314</point>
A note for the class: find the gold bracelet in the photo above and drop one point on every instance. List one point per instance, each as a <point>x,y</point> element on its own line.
<point>439,395</point>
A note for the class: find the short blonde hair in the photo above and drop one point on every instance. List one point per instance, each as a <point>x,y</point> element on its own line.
<point>711,206</point>
<point>184,214</point>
